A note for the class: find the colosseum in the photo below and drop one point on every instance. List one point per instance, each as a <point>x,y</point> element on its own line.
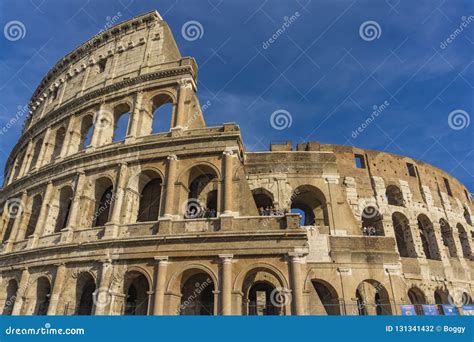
<point>183,220</point>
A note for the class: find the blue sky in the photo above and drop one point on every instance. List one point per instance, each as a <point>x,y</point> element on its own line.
<point>323,70</point>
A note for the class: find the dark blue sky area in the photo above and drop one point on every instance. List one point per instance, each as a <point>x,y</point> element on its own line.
<point>311,59</point>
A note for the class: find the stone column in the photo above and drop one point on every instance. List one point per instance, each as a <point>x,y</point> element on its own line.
<point>297,261</point>
<point>160,283</point>
<point>26,160</point>
<point>70,131</point>
<point>45,150</point>
<point>57,288</point>
<point>135,115</point>
<point>44,211</point>
<point>20,293</point>
<point>73,220</point>
<point>119,193</point>
<point>103,293</point>
<point>184,86</point>
<point>19,227</point>
<point>226,284</point>
<point>228,182</point>
<point>170,188</point>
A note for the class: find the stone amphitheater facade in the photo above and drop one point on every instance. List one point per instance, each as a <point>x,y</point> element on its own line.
<point>94,223</point>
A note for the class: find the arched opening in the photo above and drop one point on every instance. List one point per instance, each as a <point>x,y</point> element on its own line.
<point>36,153</point>
<point>202,193</point>
<point>43,294</point>
<point>18,165</point>
<point>197,294</point>
<point>310,201</point>
<point>327,302</point>
<point>35,213</point>
<point>162,109</point>
<point>441,297</point>
<point>467,216</point>
<point>264,293</point>
<point>417,298</point>
<point>372,222</point>
<point>394,196</point>
<point>428,238</point>
<point>58,143</point>
<point>403,236</point>
<point>262,300</point>
<point>104,199</point>
<point>448,240</point>
<point>150,199</point>
<point>464,239</point>
<point>87,130</point>
<point>85,288</point>
<point>11,289</point>
<point>64,208</point>
<point>8,230</point>
<point>121,120</point>
<point>264,201</point>
<point>373,299</point>
<point>136,301</point>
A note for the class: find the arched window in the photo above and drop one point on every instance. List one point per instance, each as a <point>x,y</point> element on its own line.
<point>467,216</point>
<point>441,297</point>
<point>58,143</point>
<point>197,295</point>
<point>327,300</point>
<point>448,240</point>
<point>150,201</point>
<point>312,202</point>
<point>417,298</point>
<point>136,302</point>
<point>85,288</point>
<point>372,298</point>
<point>464,239</point>
<point>263,200</point>
<point>86,132</point>
<point>428,238</point>
<point>394,196</point>
<point>202,194</point>
<point>35,212</point>
<point>103,205</point>
<point>372,223</point>
<point>403,236</point>
<point>121,119</point>
<point>8,230</point>
<point>36,153</point>
<point>43,294</point>
<point>162,112</point>
<point>64,208</point>
<point>10,299</point>
<point>18,165</point>
<point>262,300</point>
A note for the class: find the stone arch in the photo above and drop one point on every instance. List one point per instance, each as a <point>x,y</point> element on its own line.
<point>63,199</point>
<point>403,235</point>
<point>38,296</point>
<point>103,196</point>
<point>441,297</point>
<point>86,131</point>
<point>394,196</point>
<point>467,215</point>
<point>36,153</point>
<point>310,202</point>
<point>201,182</point>
<point>34,213</point>
<point>326,299</point>
<point>448,239</point>
<point>11,294</point>
<point>59,137</point>
<point>417,298</point>
<point>121,117</point>
<point>263,199</point>
<point>136,289</point>
<point>85,289</point>
<point>372,222</point>
<point>163,107</point>
<point>177,277</point>
<point>18,164</point>
<point>372,298</point>
<point>428,237</point>
<point>464,239</point>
